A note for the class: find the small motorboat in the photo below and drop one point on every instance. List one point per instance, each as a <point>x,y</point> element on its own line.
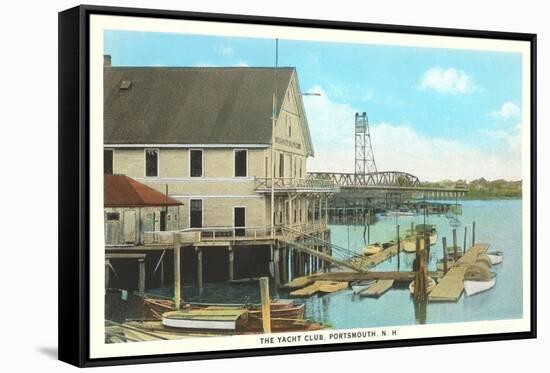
<point>431,284</point>
<point>372,249</point>
<point>360,286</point>
<point>478,278</point>
<point>496,257</point>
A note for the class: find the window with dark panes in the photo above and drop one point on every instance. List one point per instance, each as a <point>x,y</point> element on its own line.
<point>281,165</point>
<point>108,161</point>
<point>196,163</point>
<point>151,162</point>
<point>240,163</point>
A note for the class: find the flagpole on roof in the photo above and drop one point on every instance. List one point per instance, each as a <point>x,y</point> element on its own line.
<point>274,104</point>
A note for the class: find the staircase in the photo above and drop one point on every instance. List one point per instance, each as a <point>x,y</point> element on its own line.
<point>289,236</point>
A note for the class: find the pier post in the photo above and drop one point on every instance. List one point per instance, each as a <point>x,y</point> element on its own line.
<point>231,263</point>
<point>465,235</point>
<point>284,267</point>
<point>444,239</point>
<point>455,249</point>
<point>162,273</point>
<point>199,268</point>
<point>276,267</point>
<point>141,284</point>
<point>266,304</point>
<point>177,274</point>
<point>107,272</point>
<point>473,233</point>
<point>398,249</point>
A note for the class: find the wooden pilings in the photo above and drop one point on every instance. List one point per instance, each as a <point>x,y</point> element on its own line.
<point>444,239</point>
<point>231,263</point>
<point>465,235</point>
<point>398,248</point>
<point>266,304</point>
<point>276,266</point>
<point>473,233</point>
<point>199,269</point>
<point>141,282</point>
<point>107,272</point>
<point>177,275</point>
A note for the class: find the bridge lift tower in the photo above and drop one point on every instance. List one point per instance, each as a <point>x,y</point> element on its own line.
<point>364,155</point>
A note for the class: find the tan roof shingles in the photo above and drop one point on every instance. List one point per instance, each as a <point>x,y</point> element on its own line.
<point>191,105</point>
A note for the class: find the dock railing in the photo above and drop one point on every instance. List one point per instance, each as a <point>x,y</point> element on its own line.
<point>223,234</point>
<point>293,183</point>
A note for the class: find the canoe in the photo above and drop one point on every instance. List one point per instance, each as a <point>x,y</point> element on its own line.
<point>431,285</point>
<point>360,286</point>
<point>375,248</point>
<point>223,319</point>
<point>472,287</point>
<point>496,257</point>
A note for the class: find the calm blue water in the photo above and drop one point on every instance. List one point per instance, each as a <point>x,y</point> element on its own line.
<point>497,223</point>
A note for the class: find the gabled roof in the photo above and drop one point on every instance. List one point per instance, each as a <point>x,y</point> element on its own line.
<point>192,105</point>
<point>122,191</point>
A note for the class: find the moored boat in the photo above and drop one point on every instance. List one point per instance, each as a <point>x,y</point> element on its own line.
<point>496,257</point>
<point>478,278</point>
<point>430,285</point>
<point>280,308</point>
<point>209,318</point>
<point>360,286</point>
<point>372,249</point>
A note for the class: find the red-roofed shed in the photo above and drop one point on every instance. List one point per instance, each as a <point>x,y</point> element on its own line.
<point>122,191</point>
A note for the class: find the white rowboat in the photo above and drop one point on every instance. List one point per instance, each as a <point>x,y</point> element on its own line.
<point>472,287</point>
<point>496,257</point>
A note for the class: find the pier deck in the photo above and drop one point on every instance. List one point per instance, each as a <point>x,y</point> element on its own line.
<point>450,286</point>
<point>378,289</point>
<point>406,276</point>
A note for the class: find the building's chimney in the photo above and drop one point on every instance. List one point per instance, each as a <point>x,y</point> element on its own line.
<point>106,60</point>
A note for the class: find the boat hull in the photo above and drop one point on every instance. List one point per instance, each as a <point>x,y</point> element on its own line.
<point>472,287</point>
<point>495,257</point>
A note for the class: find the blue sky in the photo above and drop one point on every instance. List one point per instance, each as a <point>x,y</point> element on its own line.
<point>437,113</point>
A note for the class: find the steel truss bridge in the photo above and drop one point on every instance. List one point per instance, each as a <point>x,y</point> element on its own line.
<point>387,182</point>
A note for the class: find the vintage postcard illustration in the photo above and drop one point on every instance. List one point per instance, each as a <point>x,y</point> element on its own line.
<point>268,186</point>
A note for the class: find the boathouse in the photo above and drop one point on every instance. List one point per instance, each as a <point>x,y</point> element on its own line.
<point>221,141</point>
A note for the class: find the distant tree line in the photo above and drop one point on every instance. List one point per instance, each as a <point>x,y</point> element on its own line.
<point>483,188</point>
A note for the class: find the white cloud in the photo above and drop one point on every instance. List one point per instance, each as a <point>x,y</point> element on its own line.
<point>225,50</point>
<point>508,110</point>
<point>400,147</point>
<point>242,64</point>
<point>447,81</point>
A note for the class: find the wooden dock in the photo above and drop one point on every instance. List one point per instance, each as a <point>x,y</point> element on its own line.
<point>366,262</point>
<point>450,286</point>
<point>406,276</point>
<point>320,287</point>
<point>377,289</point>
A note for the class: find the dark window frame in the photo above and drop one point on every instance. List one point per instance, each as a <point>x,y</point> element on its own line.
<point>237,168</point>
<point>156,165</point>
<point>112,166</point>
<point>193,169</point>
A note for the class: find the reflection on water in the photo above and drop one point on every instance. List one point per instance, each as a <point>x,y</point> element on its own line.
<point>497,223</point>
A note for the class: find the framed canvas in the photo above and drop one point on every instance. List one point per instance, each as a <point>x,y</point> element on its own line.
<point>232,186</point>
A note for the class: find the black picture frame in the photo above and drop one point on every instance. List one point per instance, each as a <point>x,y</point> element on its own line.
<point>74,191</point>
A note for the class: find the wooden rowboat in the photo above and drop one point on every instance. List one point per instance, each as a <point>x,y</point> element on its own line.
<point>280,308</point>
<point>372,249</point>
<point>223,319</point>
<point>430,286</point>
